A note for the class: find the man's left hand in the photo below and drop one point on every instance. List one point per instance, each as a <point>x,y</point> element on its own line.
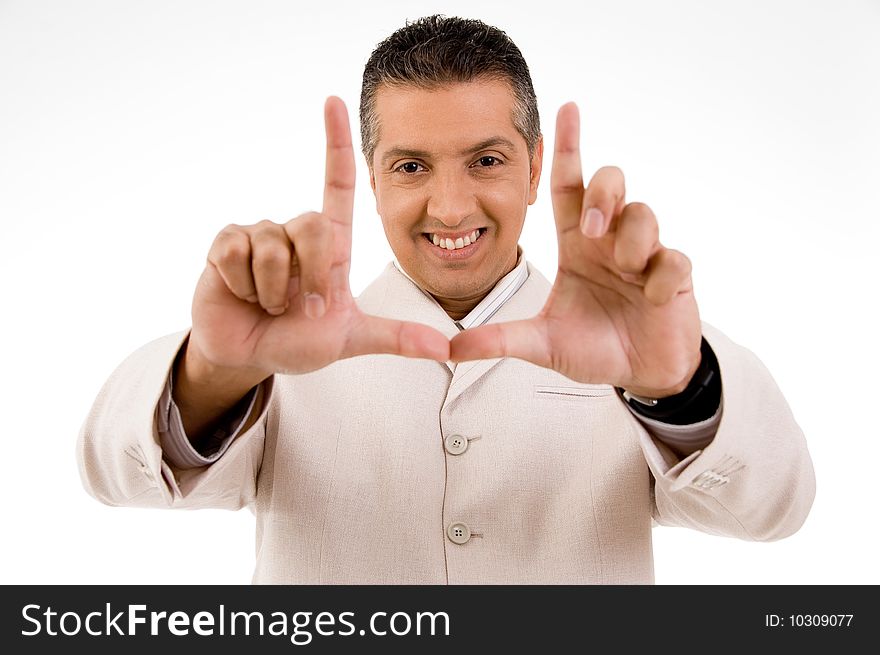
<point>622,308</point>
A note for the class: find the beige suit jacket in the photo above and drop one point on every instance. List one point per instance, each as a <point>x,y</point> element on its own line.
<point>352,478</point>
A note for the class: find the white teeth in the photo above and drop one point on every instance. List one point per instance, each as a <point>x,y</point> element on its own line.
<point>460,242</point>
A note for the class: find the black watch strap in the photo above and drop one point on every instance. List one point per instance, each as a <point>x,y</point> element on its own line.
<point>698,402</point>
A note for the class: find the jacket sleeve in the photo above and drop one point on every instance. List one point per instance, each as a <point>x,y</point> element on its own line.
<point>755,479</point>
<point>119,453</point>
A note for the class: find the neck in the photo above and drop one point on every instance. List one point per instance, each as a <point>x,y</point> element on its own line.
<point>458,308</point>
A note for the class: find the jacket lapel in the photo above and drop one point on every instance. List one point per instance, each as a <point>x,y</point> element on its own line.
<point>393,295</point>
<point>525,303</point>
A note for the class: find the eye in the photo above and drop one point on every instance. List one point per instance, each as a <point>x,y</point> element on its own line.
<point>488,161</point>
<point>408,167</point>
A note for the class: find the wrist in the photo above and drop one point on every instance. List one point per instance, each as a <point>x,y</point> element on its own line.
<point>699,399</point>
<point>204,391</point>
<point>199,370</point>
<point>669,391</point>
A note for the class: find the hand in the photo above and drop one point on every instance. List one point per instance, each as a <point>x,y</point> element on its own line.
<point>622,309</point>
<point>276,298</point>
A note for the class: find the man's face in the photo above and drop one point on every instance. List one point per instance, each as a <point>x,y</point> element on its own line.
<point>450,168</point>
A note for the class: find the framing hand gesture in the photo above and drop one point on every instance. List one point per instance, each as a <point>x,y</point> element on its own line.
<point>276,298</point>
<point>622,309</point>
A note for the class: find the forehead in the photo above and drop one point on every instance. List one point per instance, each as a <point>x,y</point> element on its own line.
<point>448,118</point>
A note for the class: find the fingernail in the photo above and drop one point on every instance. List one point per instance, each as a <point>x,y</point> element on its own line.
<point>313,304</point>
<point>275,311</point>
<point>252,298</point>
<point>593,223</point>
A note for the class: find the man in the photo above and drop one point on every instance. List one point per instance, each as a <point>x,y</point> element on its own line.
<point>462,421</point>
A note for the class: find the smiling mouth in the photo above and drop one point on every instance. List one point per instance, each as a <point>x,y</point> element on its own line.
<point>449,243</point>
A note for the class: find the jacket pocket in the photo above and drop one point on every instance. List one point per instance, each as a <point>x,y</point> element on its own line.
<point>574,392</point>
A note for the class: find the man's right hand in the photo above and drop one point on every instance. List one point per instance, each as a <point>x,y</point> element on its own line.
<point>276,299</point>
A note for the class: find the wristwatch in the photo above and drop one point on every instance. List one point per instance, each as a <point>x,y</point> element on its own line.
<point>698,401</point>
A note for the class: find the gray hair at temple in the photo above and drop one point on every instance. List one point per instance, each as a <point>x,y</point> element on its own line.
<point>436,51</point>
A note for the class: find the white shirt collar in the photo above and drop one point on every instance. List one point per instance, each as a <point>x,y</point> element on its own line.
<point>500,293</point>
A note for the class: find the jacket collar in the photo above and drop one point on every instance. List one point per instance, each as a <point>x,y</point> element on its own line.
<point>394,295</point>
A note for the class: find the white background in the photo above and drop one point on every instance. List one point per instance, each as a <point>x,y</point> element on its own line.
<point>132,132</point>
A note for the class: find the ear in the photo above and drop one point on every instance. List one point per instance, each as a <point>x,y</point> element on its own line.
<point>373,187</point>
<point>535,175</point>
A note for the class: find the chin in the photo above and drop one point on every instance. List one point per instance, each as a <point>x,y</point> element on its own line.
<point>463,289</point>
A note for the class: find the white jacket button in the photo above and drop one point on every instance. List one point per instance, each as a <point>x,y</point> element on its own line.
<point>455,444</point>
<point>458,533</point>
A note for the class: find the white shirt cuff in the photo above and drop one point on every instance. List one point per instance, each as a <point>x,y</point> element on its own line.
<point>684,439</point>
<point>176,446</point>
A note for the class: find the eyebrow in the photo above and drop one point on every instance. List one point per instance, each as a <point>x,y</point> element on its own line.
<point>399,151</point>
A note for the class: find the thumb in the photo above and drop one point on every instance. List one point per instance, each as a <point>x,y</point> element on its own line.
<point>521,339</point>
<point>373,335</point>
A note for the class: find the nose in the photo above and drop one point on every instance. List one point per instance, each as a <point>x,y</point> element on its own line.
<point>452,199</point>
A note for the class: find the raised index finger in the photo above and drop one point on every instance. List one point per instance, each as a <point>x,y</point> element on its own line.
<point>339,174</point>
<point>566,177</point>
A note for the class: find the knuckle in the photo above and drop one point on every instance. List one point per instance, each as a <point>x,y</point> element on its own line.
<point>304,218</point>
<point>231,248</point>
<point>316,226</point>
<point>233,253</point>
<point>625,255</point>
<point>264,229</point>
<point>628,260</point>
<point>312,233</point>
<point>639,224</point>
<point>681,261</point>
<point>272,257</point>
<point>229,234</point>
<point>565,186</point>
<point>312,224</point>
<point>640,209</point>
<point>612,171</point>
<point>265,224</point>
<point>230,230</point>
<point>607,186</point>
<point>267,233</point>
<point>339,184</point>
